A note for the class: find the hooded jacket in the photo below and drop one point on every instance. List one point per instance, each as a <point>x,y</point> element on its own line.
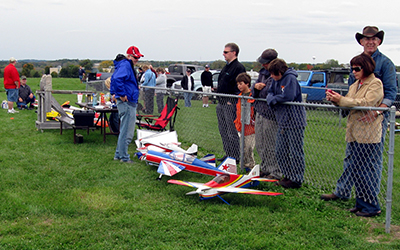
<point>287,89</point>
<point>123,80</point>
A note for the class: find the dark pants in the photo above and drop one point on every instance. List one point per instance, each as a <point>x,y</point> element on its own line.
<point>226,114</point>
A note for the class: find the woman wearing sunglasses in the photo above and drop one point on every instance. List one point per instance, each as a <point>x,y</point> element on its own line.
<point>363,137</point>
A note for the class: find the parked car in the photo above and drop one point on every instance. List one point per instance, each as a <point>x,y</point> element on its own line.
<point>95,76</point>
<point>177,71</point>
<point>197,83</point>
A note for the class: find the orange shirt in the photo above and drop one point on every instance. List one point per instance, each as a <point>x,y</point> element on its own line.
<point>248,128</point>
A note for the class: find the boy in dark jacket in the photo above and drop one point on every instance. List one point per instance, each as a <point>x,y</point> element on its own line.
<point>291,121</point>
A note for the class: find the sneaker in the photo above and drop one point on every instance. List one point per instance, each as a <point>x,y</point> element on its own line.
<point>12,111</point>
<point>116,159</point>
<point>128,161</point>
<point>221,159</point>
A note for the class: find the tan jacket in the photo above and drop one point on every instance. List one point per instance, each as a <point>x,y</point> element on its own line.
<point>370,94</point>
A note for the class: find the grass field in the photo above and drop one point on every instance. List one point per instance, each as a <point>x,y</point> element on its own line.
<point>58,195</point>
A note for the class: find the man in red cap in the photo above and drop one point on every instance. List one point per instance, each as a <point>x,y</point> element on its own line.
<point>11,84</point>
<point>385,70</point>
<point>125,89</point>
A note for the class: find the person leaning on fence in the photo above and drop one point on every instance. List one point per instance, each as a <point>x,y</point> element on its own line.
<point>245,113</point>
<point>266,127</point>
<point>126,90</point>
<point>226,107</point>
<point>161,82</point>
<point>385,70</point>
<point>363,137</point>
<point>291,121</point>
<point>25,95</point>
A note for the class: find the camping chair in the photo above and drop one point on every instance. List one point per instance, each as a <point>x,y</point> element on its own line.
<point>167,115</point>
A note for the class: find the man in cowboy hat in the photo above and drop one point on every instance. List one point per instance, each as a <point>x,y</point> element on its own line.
<point>385,70</point>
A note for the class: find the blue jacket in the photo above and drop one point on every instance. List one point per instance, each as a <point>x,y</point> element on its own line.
<point>287,89</point>
<point>261,107</point>
<point>386,72</point>
<point>123,81</point>
<point>149,79</point>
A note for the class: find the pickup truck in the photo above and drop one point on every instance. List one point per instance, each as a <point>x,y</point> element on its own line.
<point>315,83</point>
<point>95,76</point>
<point>177,71</point>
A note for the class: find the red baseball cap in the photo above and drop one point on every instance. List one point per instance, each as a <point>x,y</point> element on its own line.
<point>134,51</point>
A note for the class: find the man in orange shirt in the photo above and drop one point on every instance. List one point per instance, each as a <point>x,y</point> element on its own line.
<point>11,84</point>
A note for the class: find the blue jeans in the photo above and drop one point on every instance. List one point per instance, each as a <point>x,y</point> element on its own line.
<point>345,182</point>
<point>188,98</point>
<point>27,101</point>
<point>290,153</point>
<point>127,116</point>
<point>362,168</point>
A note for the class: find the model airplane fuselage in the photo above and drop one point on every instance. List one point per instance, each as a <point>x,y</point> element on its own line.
<point>190,163</point>
<point>228,183</point>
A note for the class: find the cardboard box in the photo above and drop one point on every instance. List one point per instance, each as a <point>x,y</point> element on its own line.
<point>84,117</point>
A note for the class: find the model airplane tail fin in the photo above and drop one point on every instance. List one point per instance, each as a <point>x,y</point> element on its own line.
<point>192,149</point>
<point>255,171</point>
<point>210,159</point>
<point>228,165</point>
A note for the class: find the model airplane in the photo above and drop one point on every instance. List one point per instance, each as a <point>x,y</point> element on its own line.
<point>164,142</point>
<point>174,162</point>
<point>228,183</point>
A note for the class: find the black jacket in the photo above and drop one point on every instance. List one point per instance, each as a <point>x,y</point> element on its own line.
<point>184,83</point>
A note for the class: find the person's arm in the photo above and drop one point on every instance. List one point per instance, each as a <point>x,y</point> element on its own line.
<point>389,83</point>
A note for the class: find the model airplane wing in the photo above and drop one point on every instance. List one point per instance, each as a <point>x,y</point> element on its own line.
<point>169,168</point>
<point>245,191</point>
<point>264,179</point>
<point>186,183</point>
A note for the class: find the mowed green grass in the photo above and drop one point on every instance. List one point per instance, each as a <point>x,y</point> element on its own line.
<point>58,195</point>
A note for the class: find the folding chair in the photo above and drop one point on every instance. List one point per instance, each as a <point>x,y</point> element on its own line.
<point>168,115</point>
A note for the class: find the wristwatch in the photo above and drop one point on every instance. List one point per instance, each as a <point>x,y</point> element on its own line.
<point>379,113</point>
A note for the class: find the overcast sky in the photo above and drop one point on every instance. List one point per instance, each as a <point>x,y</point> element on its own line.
<point>188,30</point>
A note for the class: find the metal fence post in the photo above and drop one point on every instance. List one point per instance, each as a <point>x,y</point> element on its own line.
<point>392,124</point>
<point>242,120</point>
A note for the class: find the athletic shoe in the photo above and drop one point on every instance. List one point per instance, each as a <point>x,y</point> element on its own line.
<point>12,111</point>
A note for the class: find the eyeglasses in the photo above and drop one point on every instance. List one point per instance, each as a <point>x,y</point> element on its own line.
<point>226,52</point>
<point>374,38</point>
<point>356,69</point>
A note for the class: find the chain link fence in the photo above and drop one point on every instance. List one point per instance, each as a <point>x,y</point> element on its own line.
<point>314,155</point>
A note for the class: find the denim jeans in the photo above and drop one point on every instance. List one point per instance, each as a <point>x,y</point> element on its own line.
<point>290,153</point>
<point>127,116</point>
<point>345,182</point>
<point>363,169</point>
<point>27,101</point>
<point>188,98</point>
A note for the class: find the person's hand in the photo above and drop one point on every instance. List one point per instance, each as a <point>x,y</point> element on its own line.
<point>259,85</point>
<point>20,99</point>
<point>332,96</point>
<point>31,96</point>
<point>124,98</point>
<point>369,117</point>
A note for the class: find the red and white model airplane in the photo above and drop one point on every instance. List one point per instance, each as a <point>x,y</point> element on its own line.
<point>164,142</point>
<point>228,183</point>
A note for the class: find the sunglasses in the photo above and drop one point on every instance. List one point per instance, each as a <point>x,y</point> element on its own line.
<point>356,69</point>
<point>226,52</point>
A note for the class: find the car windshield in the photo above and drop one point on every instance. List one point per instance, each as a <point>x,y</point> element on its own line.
<point>197,74</point>
<point>303,76</point>
<point>224,178</point>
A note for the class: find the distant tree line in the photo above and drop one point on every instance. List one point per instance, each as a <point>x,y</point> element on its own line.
<point>70,67</point>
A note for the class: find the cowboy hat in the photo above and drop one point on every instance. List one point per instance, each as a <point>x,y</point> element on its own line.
<point>370,31</point>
